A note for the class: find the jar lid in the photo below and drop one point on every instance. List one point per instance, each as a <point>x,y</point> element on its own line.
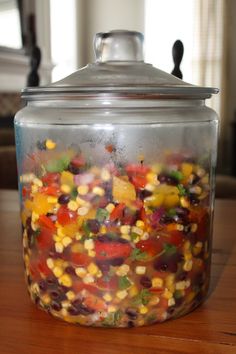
<point>119,70</point>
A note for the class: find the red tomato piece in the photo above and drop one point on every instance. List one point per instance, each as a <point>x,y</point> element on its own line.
<point>152,246</point>
<point>45,239</point>
<point>111,250</point>
<point>117,212</point>
<point>47,222</point>
<point>78,161</point>
<point>110,284</point>
<point>26,191</point>
<point>176,238</point>
<point>139,181</point>
<point>94,302</point>
<point>137,169</point>
<point>143,215</point>
<point>79,286</point>
<point>52,190</point>
<point>66,216</point>
<point>80,259</point>
<point>43,268</point>
<point>51,178</point>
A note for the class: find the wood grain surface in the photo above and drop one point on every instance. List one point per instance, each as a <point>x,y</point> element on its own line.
<point>210,329</point>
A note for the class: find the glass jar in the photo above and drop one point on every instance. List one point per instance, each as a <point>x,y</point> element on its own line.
<point>116,176</point>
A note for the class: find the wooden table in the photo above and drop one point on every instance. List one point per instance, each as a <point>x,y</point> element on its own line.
<point>210,329</point>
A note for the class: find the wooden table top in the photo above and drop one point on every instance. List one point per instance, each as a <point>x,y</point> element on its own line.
<point>210,329</point>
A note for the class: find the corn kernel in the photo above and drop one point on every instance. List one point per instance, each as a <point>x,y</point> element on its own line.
<point>64,312</point>
<point>152,178</point>
<point>184,202</point>
<point>140,224</point>
<point>140,270</point>
<point>92,269</point>
<point>34,189</point>
<point>72,205</point>
<point>105,175</point>
<point>35,288</point>
<point>188,265</point>
<point>56,238</point>
<point>89,244</point>
<point>65,280</point>
<point>80,272</point>
<point>91,253</point>
<point>123,270</point>
<point>137,230</point>
<point>66,241</point>
<point>78,236</point>
<point>65,304</point>
<point>186,246</point>
<point>150,187</point>
<point>83,189</point>
<point>34,216</point>
<point>107,297</point>
<point>103,229</point>
<point>193,228</point>
<point>188,256</point>
<point>98,191</point>
<point>186,169</point>
<point>133,291</point>
<point>171,302</point>
<point>121,294</point>
<point>143,310</point>
<point>50,263</point>
<point>46,299</point>
<point>169,282</point>
<point>110,207</point>
<point>60,232</point>
<point>70,295</point>
<point>157,282</point>
<point>52,200</point>
<point>99,274</point>
<point>88,279</point>
<point>81,202</point>
<point>179,227</point>
<point>167,294</point>
<point>111,308</point>
<point>82,211</point>
<point>126,237</point>
<point>180,285</point>
<point>145,236</point>
<point>37,182</point>
<point>27,178</point>
<point>65,188</point>
<point>57,271</point>
<point>59,247</point>
<point>187,284</point>
<point>125,229</point>
<point>50,144</point>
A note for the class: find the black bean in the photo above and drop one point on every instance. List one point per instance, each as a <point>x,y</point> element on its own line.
<point>41,145</point>
<point>132,313</point>
<point>166,219</point>
<point>52,281</point>
<point>70,270</point>
<point>64,199</point>
<point>75,170</point>
<point>164,178</point>
<point>130,324</point>
<point>93,225</point>
<point>117,261</point>
<point>122,240</point>
<point>182,276</point>
<point>42,285</point>
<point>103,265</point>
<point>78,308</point>
<point>145,282</point>
<point>142,194</point>
<point>194,199</point>
<point>55,305</point>
<point>195,180</point>
<point>104,238</point>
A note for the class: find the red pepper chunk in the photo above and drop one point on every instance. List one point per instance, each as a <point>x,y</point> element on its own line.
<point>45,239</point>
<point>117,212</point>
<point>47,222</point>
<point>79,286</point>
<point>52,190</point>
<point>66,216</point>
<point>112,250</point>
<point>176,238</point>
<point>80,259</point>
<point>137,169</point>
<point>139,181</point>
<point>151,246</point>
<point>51,178</point>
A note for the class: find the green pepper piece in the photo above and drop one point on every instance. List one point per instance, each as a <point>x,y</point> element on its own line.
<point>124,283</point>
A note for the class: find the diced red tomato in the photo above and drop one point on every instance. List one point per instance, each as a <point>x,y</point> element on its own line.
<point>47,222</point>
<point>110,284</point>
<point>112,250</point>
<point>176,238</point>
<point>137,169</point>
<point>51,178</point>
<point>152,246</point>
<point>80,259</point>
<point>45,239</point>
<point>38,267</point>
<point>26,191</point>
<point>117,212</point>
<point>52,190</point>
<point>43,268</point>
<point>66,216</point>
<point>94,302</point>
<point>79,286</point>
<point>139,181</point>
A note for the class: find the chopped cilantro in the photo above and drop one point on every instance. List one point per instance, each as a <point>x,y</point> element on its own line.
<point>133,236</point>
<point>138,255</point>
<point>182,190</point>
<point>169,249</point>
<point>101,214</point>
<point>171,212</point>
<point>58,165</point>
<point>124,283</point>
<point>74,193</point>
<point>142,298</point>
<point>86,229</point>
<point>112,319</point>
<point>34,237</point>
<point>177,175</point>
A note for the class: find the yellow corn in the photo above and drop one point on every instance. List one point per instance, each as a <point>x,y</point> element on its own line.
<point>133,291</point>
<point>143,310</point>
<point>72,205</point>
<point>80,272</point>
<point>70,295</point>
<point>59,247</point>
<point>50,263</point>
<point>83,189</point>
<point>121,294</point>
<point>123,270</point>
<point>105,175</point>
<point>88,279</point>
<point>125,229</point>
<point>65,280</point>
<point>57,271</point>
<point>140,224</point>
<point>157,282</point>
<point>110,207</point>
<point>98,191</point>
<point>92,269</point>
<point>50,144</point>
<point>107,297</point>
<point>66,241</point>
<point>65,188</point>
<point>140,270</point>
<point>89,244</point>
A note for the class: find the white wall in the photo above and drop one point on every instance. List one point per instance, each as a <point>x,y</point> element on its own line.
<point>105,15</point>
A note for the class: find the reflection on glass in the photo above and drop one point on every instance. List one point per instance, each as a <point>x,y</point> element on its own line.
<point>10,31</point>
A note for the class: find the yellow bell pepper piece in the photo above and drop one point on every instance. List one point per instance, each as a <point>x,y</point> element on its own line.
<point>123,191</point>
